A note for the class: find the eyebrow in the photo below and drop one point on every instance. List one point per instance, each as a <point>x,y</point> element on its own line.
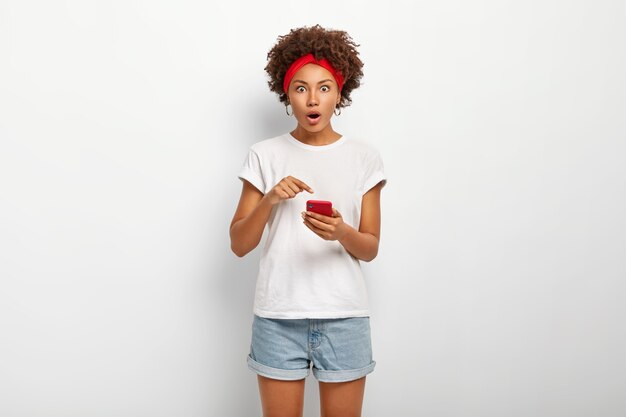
<point>304,82</point>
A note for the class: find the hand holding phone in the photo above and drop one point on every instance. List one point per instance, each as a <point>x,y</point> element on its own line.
<point>333,229</point>
<point>320,206</point>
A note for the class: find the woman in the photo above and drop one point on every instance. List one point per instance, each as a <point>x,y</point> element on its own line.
<point>311,303</point>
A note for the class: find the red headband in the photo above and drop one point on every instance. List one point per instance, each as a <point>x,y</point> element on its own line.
<point>308,58</point>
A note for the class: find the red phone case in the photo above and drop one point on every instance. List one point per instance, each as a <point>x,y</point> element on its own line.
<point>320,206</point>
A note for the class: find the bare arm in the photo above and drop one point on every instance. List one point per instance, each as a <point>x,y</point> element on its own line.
<point>363,243</point>
<point>249,221</point>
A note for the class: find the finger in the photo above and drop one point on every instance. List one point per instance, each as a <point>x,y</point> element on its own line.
<point>318,216</point>
<point>319,224</point>
<point>287,190</point>
<point>336,213</point>
<point>303,185</point>
<point>290,187</point>
<point>315,215</point>
<point>313,228</point>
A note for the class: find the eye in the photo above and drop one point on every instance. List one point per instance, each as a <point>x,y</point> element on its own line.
<point>325,86</point>
<point>298,88</point>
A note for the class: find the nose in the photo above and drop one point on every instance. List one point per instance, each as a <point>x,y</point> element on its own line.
<point>312,99</point>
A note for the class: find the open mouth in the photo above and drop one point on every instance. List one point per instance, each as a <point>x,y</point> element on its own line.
<point>313,115</point>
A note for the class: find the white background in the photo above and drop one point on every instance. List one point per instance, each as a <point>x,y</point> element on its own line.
<point>499,286</point>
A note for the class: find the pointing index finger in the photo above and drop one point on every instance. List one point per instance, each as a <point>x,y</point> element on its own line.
<point>303,185</point>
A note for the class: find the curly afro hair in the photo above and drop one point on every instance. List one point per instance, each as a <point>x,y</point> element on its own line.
<point>334,45</point>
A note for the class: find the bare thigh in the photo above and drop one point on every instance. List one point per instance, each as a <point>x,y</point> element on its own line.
<point>281,398</point>
<point>342,399</point>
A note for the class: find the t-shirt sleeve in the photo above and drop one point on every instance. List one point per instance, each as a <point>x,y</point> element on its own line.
<point>251,171</point>
<point>374,173</point>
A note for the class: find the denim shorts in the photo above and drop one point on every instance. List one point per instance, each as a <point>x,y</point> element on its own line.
<point>340,349</point>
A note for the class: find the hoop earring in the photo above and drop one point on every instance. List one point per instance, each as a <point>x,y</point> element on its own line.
<point>336,113</point>
<point>288,104</point>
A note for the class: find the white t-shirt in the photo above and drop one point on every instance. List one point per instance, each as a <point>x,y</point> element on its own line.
<point>302,275</point>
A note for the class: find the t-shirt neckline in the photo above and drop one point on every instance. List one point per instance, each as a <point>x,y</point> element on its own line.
<point>303,145</point>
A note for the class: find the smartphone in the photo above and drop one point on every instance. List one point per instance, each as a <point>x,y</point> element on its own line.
<point>320,206</point>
